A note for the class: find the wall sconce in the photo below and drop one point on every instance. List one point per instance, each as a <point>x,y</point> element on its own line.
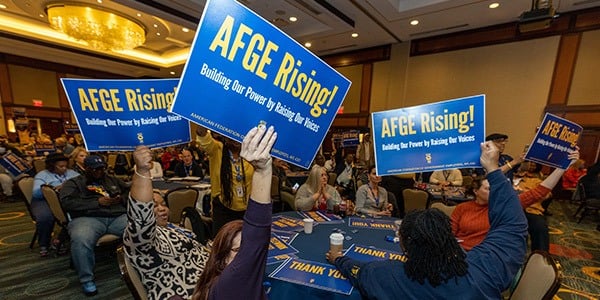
<point>11,125</point>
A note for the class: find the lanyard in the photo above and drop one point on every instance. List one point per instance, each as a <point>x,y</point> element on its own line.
<point>373,193</point>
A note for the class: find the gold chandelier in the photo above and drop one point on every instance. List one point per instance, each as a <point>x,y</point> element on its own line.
<point>101,30</point>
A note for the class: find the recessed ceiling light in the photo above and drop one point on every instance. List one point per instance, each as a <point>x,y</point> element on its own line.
<point>494,5</point>
<point>354,34</point>
<point>414,22</point>
<point>172,73</point>
<point>41,16</point>
<point>307,44</point>
<point>155,25</point>
<point>99,1</point>
<point>293,19</point>
<point>139,15</point>
<point>2,6</point>
<point>184,29</point>
<point>158,33</point>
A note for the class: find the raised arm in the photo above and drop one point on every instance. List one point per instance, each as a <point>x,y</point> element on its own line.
<point>538,194</point>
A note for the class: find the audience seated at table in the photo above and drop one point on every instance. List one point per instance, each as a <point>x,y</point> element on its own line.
<point>236,266</point>
<point>446,177</point>
<point>371,199</point>
<point>188,167</point>
<point>78,155</point>
<point>55,174</point>
<point>345,170</point>
<point>156,248</point>
<point>62,146</point>
<point>573,174</point>
<point>169,159</point>
<point>436,267</point>
<point>230,178</point>
<point>530,169</point>
<point>315,193</point>
<point>96,204</point>
<point>470,222</point>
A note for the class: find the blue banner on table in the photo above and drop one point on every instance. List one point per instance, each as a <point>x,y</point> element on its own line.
<point>43,149</point>
<point>281,258</point>
<point>313,274</point>
<point>371,223</point>
<point>14,164</point>
<point>243,70</point>
<point>286,236</point>
<point>278,246</point>
<point>118,115</point>
<point>368,253</point>
<point>321,217</point>
<point>286,223</point>
<point>438,136</point>
<point>553,141</point>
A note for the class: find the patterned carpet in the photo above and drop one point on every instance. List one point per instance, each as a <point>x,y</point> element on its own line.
<point>24,275</point>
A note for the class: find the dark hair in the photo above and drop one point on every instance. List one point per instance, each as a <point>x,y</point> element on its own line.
<point>432,252</point>
<point>217,261</point>
<point>475,185</point>
<point>226,190</point>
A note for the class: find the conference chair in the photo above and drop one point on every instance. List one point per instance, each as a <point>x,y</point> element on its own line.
<point>130,276</point>
<point>415,199</point>
<point>275,190</point>
<point>62,220</point>
<point>447,209</point>
<point>25,184</point>
<point>332,178</point>
<point>201,227</point>
<point>178,199</point>
<point>289,199</point>
<point>540,278</point>
<point>586,205</point>
<point>39,165</point>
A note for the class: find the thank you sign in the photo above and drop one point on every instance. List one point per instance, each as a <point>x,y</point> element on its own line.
<point>242,71</point>
<point>437,136</point>
<point>118,115</point>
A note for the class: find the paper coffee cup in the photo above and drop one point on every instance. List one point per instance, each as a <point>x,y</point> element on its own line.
<point>336,242</point>
<point>397,224</point>
<point>308,225</point>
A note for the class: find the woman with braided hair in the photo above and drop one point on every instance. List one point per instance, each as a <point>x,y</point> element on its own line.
<point>435,265</point>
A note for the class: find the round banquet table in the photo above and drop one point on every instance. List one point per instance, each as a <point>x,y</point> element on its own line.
<point>314,246</point>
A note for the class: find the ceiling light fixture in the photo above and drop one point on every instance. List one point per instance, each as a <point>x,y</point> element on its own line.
<point>2,6</point>
<point>307,44</point>
<point>184,29</point>
<point>172,73</point>
<point>414,22</point>
<point>293,19</point>
<point>354,34</point>
<point>494,5</point>
<point>101,30</point>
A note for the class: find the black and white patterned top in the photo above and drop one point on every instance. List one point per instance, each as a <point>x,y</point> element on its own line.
<point>169,261</point>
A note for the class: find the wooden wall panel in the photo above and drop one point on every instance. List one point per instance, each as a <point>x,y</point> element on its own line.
<point>564,68</point>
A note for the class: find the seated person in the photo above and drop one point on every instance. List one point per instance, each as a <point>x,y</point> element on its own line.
<point>572,175</point>
<point>156,248</point>
<point>55,174</point>
<point>371,199</point>
<point>470,219</point>
<point>315,193</point>
<point>156,172</point>
<point>95,203</point>
<point>446,177</point>
<point>187,166</point>
<point>78,155</point>
<point>345,171</point>
<point>236,267</point>
<point>436,267</point>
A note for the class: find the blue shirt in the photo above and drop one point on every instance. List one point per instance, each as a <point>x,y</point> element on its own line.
<point>49,178</point>
<point>491,264</point>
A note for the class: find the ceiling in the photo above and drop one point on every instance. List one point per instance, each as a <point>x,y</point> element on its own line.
<point>326,24</point>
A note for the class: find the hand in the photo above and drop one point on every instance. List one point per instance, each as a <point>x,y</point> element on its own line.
<point>574,155</point>
<point>332,256</point>
<point>142,156</point>
<point>105,201</point>
<point>201,131</point>
<point>390,207</point>
<point>256,147</point>
<point>489,156</point>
